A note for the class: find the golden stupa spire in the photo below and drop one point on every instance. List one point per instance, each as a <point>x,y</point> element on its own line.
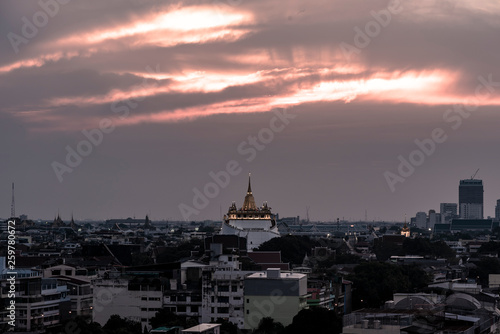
<point>249,203</point>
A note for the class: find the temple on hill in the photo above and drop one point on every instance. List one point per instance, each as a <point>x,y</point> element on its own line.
<point>257,225</point>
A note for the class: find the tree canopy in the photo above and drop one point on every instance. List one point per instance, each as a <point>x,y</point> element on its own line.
<point>293,248</point>
<point>375,282</point>
<point>315,320</point>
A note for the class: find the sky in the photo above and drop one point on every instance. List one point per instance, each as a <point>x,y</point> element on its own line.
<point>339,108</point>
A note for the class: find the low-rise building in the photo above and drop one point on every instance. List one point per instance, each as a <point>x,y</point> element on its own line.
<point>275,294</point>
<point>41,303</point>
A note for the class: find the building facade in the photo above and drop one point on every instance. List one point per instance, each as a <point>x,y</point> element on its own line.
<point>41,303</point>
<point>470,199</point>
<point>274,294</point>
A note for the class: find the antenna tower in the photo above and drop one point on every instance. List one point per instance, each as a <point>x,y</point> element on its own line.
<point>13,204</point>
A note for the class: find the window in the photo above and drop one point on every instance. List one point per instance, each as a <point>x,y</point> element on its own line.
<point>248,311</point>
<point>234,288</point>
<point>236,298</point>
<point>56,272</point>
<point>223,299</point>
<point>223,310</point>
<point>194,309</point>
<point>144,298</point>
<point>223,288</point>
<point>67,272</point>
<point>181,308</point>
<point>248,300</point>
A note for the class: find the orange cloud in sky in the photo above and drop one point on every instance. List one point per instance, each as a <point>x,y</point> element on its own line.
<point>176,25</point>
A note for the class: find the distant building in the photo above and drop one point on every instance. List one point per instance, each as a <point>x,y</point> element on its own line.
<point>405,231</point>
<point>432,219</point>
<point>470,198</point>
<point>257,225</point>
<point>477,225</point>
<point>497,210</point>
<point>448,208</point>
<point>421,219</point>
<point>274,294</point>
<point>448,211</point>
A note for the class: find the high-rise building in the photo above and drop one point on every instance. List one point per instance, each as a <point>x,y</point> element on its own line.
<point>432,219</point>
<point>448,208</point>
<point>421,219</point>
<point>448,212</point>
<point>497,209</point>
<point>470,199</point>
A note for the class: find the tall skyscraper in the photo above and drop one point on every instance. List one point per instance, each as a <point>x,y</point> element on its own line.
<point>470,199</point>
<point>432,219</point>
<point>497,209</point>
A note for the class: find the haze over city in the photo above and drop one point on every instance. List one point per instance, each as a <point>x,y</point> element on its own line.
<point>158,95</point>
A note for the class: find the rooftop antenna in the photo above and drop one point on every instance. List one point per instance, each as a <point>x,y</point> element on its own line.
<point>13,204</point>
<point>472,177</point>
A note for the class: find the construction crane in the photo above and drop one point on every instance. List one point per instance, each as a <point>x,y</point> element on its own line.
<point>472,177</point>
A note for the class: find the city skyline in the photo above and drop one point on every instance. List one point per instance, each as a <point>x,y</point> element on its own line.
<point>128,108</point>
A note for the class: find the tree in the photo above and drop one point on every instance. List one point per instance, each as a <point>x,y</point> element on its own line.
<point>315,320</point>
<point>384,250</point>
<point>79,325</point>
<point>293,248</point>
<point>267,325</point>
<point>374,282</point>
<point>484,267</point>
<point>119,325</point>
<point>166,318</point>
<point>490,247</point>
<point>227,327</point>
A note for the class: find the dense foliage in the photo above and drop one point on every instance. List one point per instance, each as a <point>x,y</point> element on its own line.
<point>166,318</point>
<point>375,282</point>
<point>293,248</point>
<point>315,320</point>
<point>417,246</point>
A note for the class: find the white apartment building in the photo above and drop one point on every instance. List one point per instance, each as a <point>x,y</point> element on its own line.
<point>132,301</point>
<point>274,294</point>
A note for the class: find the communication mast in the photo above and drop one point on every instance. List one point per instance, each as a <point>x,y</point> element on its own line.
<point>13,204</point>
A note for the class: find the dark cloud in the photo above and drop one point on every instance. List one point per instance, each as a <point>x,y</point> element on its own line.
<point>331,157</point>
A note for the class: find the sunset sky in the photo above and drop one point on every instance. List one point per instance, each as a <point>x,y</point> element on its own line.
<point>174,91</point>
